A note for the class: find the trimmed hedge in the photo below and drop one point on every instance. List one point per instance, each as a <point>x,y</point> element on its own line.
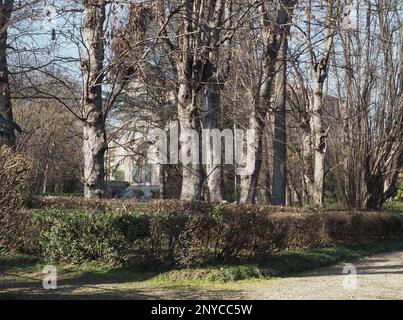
<point>192,234</point>
<point>14,190</point>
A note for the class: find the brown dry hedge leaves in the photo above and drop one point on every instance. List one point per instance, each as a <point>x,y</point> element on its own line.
<point>14,189</point>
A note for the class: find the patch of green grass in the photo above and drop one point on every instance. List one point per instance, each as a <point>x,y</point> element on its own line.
<point>221,273</point>
<point>394,207</point>
<point>280,264</point>
<point>17,262</point>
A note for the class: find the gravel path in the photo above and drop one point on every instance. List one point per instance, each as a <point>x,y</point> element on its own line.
<point>377,277</point>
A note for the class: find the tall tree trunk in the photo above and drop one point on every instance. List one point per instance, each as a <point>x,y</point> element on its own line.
<point>214,172</point>
<point>280,130</point>
<point>265,184</point>
<point>7,135</point>
<point>273,33</point>
<point>162,181</point>
<point>189,73</point>
<point>192,171</point>
<point>95,144</point>
<point>318,70</point>
<point>219,11</point>
<point>319,137</point>
<point>307,158</point>
<point>45,178</point>
<point>248,183</point>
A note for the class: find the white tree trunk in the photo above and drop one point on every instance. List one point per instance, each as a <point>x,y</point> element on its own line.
<point>249,183</point>
<point>192,173</point>
<point>319,138</point>
<point>95,144</point>
<point>319,151</point>
<point>307,159</point>
<point>318,72</point>
<point>188,113</point>
<point>214,172</point>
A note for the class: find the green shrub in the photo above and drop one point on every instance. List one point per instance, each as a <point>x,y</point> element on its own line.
<point>119,175</point>
<point>399,194</point>
<point>76,237</point>
<point>132,227</point>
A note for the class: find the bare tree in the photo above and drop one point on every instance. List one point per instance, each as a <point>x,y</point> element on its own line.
<point>216,18</point>
<point>319,64</point>
<point>280,128</point>
<point>195,58</point>
<point>95,143</point>
<point>12,17</point>
<point>91,72</point>
<point>364,144</point>
<point>274,19</point>
<point>7,125</point>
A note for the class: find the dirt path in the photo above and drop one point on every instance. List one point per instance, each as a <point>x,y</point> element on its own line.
<point>378,277</point>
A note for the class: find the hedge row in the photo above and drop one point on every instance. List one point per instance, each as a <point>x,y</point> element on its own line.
<point>191,234</point>
<point>14,186</point>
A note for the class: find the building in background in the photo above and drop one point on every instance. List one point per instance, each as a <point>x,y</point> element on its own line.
<point>146,104</point>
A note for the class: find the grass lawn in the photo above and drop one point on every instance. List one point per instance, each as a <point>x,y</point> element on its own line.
<point>21,276</point>
<point>395,207</point>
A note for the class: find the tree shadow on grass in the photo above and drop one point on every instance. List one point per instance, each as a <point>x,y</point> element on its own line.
<point>83,288</point>
<point>396,269</point>
<point>21,278</point>
<point>18,261</point>
<point>117,283</point>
